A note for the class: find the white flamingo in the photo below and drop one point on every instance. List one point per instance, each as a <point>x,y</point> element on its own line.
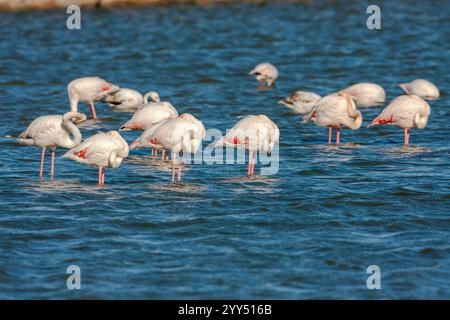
<point>125,99</point>
<point>253,134</point>
<point>366,94</point>
<point>89,89</point>
<point>422,88</point>
<point>182,134</point>
<point>102,150</point>
<point>336,110</point>
<point>265,73</point>
<point>53,131</point>
<point>407,111</point>
<point>300,101</point>
<point>150,113</point>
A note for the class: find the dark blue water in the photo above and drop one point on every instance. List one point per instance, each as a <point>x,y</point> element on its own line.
<point>310,231</point>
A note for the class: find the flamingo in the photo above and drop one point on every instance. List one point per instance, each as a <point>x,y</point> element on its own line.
<point>266,74</point>
<point>336,110</point>
<point>89,89</point>
<point>101,150</point>
<point>182,134</point>
<point>252,133</point>
<point>300,101</point>
<point>125,99</point>
<point>143,141</point>
<point>407,111</point>
<point>366,94</point>
<point>422,88</point>
<point>149,114</point>
<point>53,131</point>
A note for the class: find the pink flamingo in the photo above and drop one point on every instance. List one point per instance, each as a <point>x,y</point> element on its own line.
<point>102,150</point>
<point>422,88</point>
<point>336,110</point>
<point>182,134</point>
<point>89,89</point>
<point>366,94</point>
<point>253,134</point>
<point>300,101</point>
<point>407,111</point>
<point>53,131</point>
<point>124,100</point>
<point>266,74</point>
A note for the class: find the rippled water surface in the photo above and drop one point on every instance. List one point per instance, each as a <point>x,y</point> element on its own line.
<point>310,231</point>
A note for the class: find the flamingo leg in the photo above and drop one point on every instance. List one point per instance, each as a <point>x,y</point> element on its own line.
<point>330,135</point>
<point>250,157</point>
<point>253,164</point>
<point>338,135</point>
<point>99,175</point>
<point>103,176</point>
<point>52,165</point>
<point>407,136</point>
<point>42,162</point>
<point>92,110</point>
<point>180,165</point>
<point>174,156</point>
<point>163,154</point>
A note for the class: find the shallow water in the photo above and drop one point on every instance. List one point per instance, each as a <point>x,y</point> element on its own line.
<point>310,231</point>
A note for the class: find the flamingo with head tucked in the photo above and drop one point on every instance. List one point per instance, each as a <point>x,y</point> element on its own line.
<point>124,100</point>
<point>336,110</point>
<point>265,74</point>
<point>421,88</point>
<point>177,136</point>
<point>150,113</point>
<point>53,131</point>
<point>89,89</point>
<point>102,150</point>
<point>366,94</point>
<point>407,111</point>
<point>300,101</point>
<point>253,134</point>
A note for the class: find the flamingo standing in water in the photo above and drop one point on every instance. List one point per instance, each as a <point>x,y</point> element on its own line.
<point>407,111</point>
<point>266,74</point>
<point>182,134</point>
<point>300,101</point>
<point>89,89</point>
<point>102,150</point>
<point>53,131</point>
<point>336,110</point>
<point>366,94</point>
<point>253,134</point>
<point>422,88</point>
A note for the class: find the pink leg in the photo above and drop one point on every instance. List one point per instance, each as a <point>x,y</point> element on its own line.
<point>103,176</point>
<point>250,156</point>
<point>100,176</point>
<point>42,162</point>
<point>253,163</point>
<point>174,156</point>
<point>52,165</point>
<point>330,135</point>
<point>92,109</point>
<point>163,154</point>
<point>180,165</point>
<point>407,136</point>
<point>338,136</point>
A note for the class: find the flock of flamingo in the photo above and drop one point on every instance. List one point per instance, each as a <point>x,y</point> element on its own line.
<point>164,129</point>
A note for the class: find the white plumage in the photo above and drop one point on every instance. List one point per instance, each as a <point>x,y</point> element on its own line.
<point>422,88</point>
<point>300,101</point>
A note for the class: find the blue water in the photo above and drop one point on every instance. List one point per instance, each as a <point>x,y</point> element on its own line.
<point>310,231</point>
